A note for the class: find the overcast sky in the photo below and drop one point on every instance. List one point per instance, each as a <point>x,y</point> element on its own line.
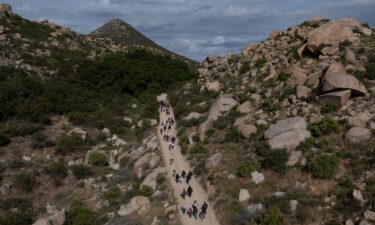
<point>195,28</point>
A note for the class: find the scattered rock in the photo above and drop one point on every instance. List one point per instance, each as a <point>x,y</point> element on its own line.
<point>349,57</point>
<point>138,204</point>
<point>369,215</point>
<point>293,205</point>
<point>5,188</point>
<point>213,161</point>
<point>246,130</point>
<point>192,115</point>
<point>79,132</point>
<point>298,76</point>
<point>349,222</point>
<point>244,195</point>
<point>245,107</point>
<point>302,91</point>
<point>358,134</point>
<point>253,209</point>
<point>357,194</point>
<point>360,120</point>
<point>294,158</point>
<point>26,158</point>
<point>257,177</point>
<point>213,86</point>
<point>337,99</point>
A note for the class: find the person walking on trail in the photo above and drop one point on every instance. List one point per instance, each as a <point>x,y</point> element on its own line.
<point>190,212</point>
<point>170,161</point>
<point>177,178</point>
<point>183,194</point>
<point>174,173</point>
<point>195,211</point>
<point>183,174</point>
<point>204,207</point>
<point>188,177</point>
<point>190,191</point>
<point>183,208</point>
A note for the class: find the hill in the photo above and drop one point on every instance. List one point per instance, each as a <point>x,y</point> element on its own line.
<point>123,33</point>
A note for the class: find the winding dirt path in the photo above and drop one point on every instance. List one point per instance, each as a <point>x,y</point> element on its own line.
<point>179,164</point>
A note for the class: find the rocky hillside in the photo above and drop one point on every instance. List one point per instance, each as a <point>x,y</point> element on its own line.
<point>123,33</point>
<point>283,133</point>
<point>78,123</point>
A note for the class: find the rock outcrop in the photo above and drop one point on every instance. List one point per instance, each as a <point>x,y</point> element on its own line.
<point>288,133</point>
<point>221,107</point>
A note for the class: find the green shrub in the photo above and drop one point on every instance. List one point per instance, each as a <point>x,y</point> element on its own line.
<point>98,159</point>
<point>112,193</point>
<point>57,170</point>
<point>306,145</point>
<point>270,106</point>
<point>160,179</point>
<point>81,171</point>
<point>39,140</point>
<point>4,140</point>
<point>18,163</point>
<point>326,126</point>
<point>80,215</point>
<point>345,202</point>
<point>198,149</point>
<point>283,76</point>
<point>24,215</point>
<point>145,191</point>
<point>68,144</point>
<point>330,108</point>
<point>246,169</point>
<point>199,168</point>
<point>272,216</point>
<point>25,182</point>
<point>245,68</point>
<point>276,160</point>
<point>370,71</point>
<point>260,63</point>
<point>324,166</point>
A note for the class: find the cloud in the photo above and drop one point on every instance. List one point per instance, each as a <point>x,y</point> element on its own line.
<point>195,28</point>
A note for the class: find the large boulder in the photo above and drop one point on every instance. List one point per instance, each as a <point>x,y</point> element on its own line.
<point>6,8</point>
<point>369,215</point>
<point>245,107</point>
<point>336,78</point>
<point>137,203</point>
<point>285,125</point>
<point>214,161</point>
<point>349,57</point>
<point>79,132</point>
<point>302,91</point>
<point>297,77</point>
<point>338,98</point>
<point>289,140</point>
<point>334,32</point>
<point>288,133</point>
<point>358,134</point>
<point>221,107</point>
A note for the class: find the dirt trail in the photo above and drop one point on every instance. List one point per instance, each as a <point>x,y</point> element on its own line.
<point>180,164</point>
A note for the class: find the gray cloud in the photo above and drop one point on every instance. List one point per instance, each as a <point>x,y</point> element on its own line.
<point>195,28</point>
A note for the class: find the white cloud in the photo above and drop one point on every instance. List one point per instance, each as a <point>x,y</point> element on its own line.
<point>218,40</point>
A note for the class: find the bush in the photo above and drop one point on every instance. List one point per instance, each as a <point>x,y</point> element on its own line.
<point>81,171</point>
<point>145,191</point>
<point>4,140</point>
<point>199,168</point>
<point>276,160</point>
<point>370,71</point>
<point>273,216</point>
<point>324,166</point>
<point>68,144</point>
<point>25,182</point>
<point>113,193</point>
<point>198,149</point>
<point>283,76</point>
<point>246,169</point>
<point>80,215</point>
<point>244,68</point>
<point>306,145</point>
<point>270,106</point>
<point>326,126</point>
<point>39,140</point>
<point>98,159</point>
<point>57,170</point>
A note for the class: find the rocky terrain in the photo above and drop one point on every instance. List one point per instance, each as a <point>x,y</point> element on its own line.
<point>283,133</point>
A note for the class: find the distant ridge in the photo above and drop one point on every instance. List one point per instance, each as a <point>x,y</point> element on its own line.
<point>123,33</point>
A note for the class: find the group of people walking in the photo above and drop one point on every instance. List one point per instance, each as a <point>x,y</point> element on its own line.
<point>185,176</point>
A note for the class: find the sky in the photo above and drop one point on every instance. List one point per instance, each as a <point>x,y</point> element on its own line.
<point>195,28</point>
